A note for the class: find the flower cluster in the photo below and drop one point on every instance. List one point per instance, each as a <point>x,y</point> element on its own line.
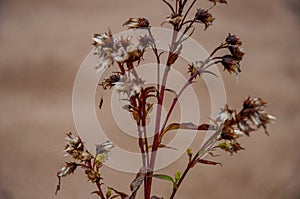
<point>84,159</point>
<point>236,124</point>
<point>119,50</point>
<point>231,62</point>
<point>75,148</point>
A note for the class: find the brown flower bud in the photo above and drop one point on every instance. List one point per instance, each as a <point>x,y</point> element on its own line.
<point>173,19</point>
<point>205,17</point>
<point>230,64</point>
<point>236,52</point>
<point>233,40</point>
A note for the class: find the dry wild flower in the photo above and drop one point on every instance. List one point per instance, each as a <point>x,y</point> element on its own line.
<point>173,19</point>
<point>128,86</point>
<point>230,64</point>
<point>112,50</point>
<point>229,125</point>
<point>233,40</point>
<point>68,169</point>
<point>205,17</point>
<point>132,23</point>
<point>109,82</point>
<point>236,124</point>
<point>102,151</point>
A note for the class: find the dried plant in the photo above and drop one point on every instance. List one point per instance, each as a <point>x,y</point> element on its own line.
<point>229,126</point>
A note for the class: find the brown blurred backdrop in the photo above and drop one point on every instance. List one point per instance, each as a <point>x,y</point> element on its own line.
<point>42,44</point>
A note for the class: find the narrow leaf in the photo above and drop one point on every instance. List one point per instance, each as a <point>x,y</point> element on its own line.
<point>163,146</point>
<point>136,183</point>
<point>164,177</point>
<point>121,194</point>
<point>188,126</point>
<point>208,162</point>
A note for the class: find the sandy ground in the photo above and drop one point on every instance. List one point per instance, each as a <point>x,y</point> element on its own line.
<point>42,44</point>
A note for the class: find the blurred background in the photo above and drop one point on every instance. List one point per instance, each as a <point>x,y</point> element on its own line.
<point>42,44</point>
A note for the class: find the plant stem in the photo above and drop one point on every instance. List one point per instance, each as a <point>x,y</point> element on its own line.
<point>100,190</point>
<point>205,147</point>
<point>187,169</point>
<point>158,115</point>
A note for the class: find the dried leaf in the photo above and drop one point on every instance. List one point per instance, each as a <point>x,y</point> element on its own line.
<point>208,162</point>
<point>163,146</point>
<point>101,103</point>
<point>136,183</point>
<point>188,126</point>
<point>58,185</point>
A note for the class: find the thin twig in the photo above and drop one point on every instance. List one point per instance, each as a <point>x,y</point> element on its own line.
<point>170,6</point>
<point>186,13</point>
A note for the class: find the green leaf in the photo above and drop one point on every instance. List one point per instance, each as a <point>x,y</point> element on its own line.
<point>168,178</point>
<point>164,177</point>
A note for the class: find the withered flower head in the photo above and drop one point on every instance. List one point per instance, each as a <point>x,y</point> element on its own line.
<point>144,42</point>
<point>125,43</point>
<point>236,52</point>
<point>104,148</point>
<point>205,17</point>
<point>129,87</point>
<point>218,1</point>
<point>74,146</point>
<point>225,114</point>
<point>231,146</point>
<point>229,133</point>
<point>68,169</point>
<point>253,111</point>
<point>132,23</point>
<point>107,83</point>
<point>233,40</point>
<point>231,64</point>
<point>173,19</point>
<point>103,39</point>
